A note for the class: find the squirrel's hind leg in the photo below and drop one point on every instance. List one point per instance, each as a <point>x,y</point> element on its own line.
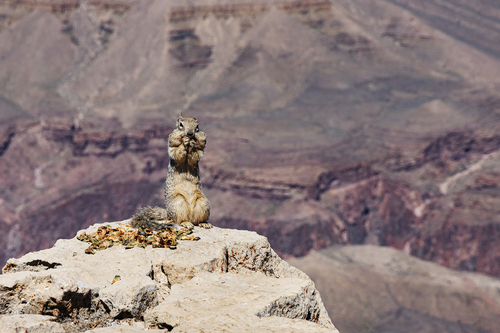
<point>187,224</point>
<point>201,212</point>
<point>179,209</point>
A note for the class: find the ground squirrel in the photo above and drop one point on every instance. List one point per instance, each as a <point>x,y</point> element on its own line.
<point>185,203</point>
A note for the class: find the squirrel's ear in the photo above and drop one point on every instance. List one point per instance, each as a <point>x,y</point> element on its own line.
<point>180,115</point>
<point>195,119</point>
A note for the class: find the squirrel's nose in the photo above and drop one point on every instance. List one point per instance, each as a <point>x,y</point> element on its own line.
<point>190,133</point>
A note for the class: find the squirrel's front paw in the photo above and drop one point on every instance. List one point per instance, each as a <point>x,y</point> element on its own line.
<point>205,225</point>
<point>187,225</point>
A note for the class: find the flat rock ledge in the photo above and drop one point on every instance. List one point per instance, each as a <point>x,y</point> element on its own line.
<point>229,280</point>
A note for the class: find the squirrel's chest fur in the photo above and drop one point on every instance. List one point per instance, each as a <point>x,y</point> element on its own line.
<point>185,183</point>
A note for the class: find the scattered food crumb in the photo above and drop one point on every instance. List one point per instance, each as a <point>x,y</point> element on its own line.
<point>106,236</point>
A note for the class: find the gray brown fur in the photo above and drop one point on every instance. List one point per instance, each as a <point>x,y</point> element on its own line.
<point>185,203</point>
<point>153,218</point>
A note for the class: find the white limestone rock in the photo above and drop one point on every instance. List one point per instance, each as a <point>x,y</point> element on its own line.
<point>229,279</point>
<point>29,323</point>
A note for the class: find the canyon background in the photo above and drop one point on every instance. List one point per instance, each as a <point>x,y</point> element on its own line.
<point>335,128</point>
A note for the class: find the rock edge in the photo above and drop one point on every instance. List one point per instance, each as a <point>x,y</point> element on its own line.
<point>229,279</point>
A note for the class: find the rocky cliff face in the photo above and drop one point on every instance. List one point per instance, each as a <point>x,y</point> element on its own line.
<point>379,289</point>
<point>227,280</point>
<point>328,122</point>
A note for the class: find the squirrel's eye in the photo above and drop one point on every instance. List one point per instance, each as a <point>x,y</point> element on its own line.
<point>197,129</point>
<point>181,125</point>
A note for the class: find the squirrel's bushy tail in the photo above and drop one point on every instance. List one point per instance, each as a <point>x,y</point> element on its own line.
<point>153,218</point>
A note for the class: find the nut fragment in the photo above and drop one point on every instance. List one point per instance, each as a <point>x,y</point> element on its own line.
<point>106,237</point>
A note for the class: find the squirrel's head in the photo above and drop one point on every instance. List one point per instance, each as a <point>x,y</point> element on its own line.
<point>189,126</point>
